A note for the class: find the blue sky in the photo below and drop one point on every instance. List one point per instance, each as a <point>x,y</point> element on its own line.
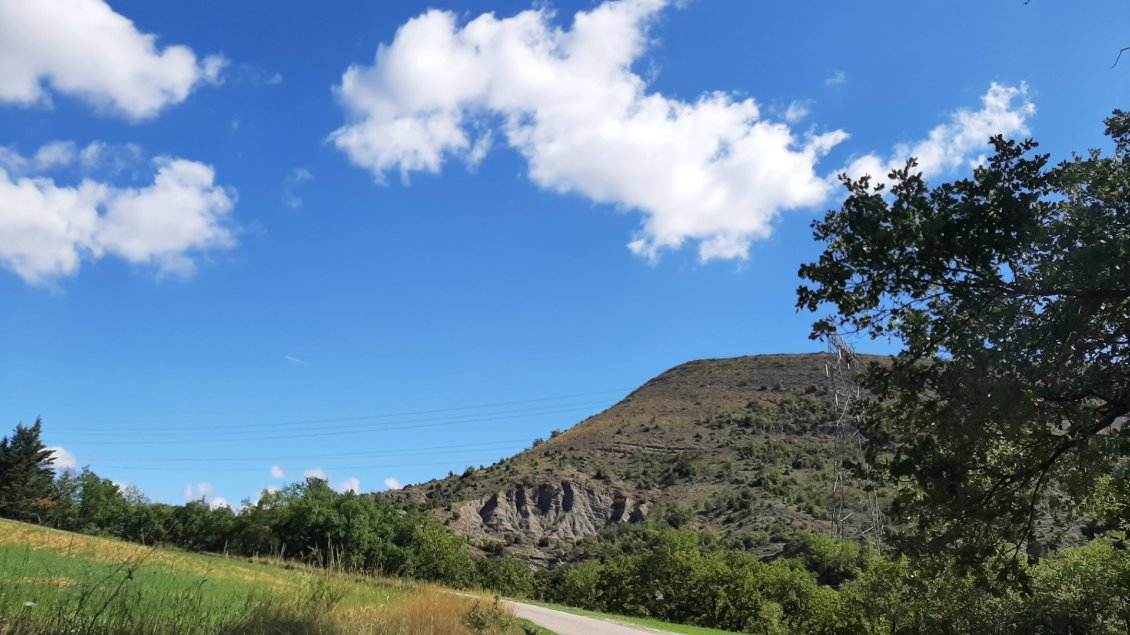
<point>244,242</point>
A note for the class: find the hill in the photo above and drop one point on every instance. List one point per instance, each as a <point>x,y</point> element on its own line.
<point>744,447</point>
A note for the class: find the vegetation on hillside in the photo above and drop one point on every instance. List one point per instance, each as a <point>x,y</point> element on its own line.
<point>744,447</point>
<point>826,587</point>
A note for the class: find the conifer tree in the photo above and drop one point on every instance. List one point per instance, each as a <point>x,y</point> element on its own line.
<point>25,474</point>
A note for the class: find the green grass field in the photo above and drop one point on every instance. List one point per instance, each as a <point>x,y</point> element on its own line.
<point>58,582</point>
<point>666,627</point>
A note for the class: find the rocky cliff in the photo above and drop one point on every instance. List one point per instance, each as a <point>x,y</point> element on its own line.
<point>559,510</point>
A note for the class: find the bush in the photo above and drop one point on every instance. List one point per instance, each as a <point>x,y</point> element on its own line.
<point>832,561</point>
<point>506,576</point>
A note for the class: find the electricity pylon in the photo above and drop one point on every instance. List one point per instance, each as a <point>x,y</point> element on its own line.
<point>846,397</point>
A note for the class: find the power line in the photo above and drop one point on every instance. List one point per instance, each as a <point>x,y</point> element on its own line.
<point>332,427</point>
<point>393,415</point>
<point>382,466</point>
<point>428,423</point>
<point>493,445</point>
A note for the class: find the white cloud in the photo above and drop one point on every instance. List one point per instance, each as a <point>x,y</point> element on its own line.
<point>63,459</point>
<point>798,110</point>
<point>277,472</point>
<point>82,48</point>
<point>54,154</point>
<point>200,491</point>
<point>49,156</point>
<point>712,171</point>
<point>47,229</point>
<point>206,493</point>
<point>962,141</point>
<point>182,211</point>
<point>211,69</point>
<point>252,75</point>
<point>351,484</point>
<point>392,483</point>
<point>316,472</point>
<point>839,78</point>
<point>295,178</point>
<point>110,159</point>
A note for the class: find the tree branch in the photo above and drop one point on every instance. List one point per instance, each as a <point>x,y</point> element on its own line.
<point>1119,56</point>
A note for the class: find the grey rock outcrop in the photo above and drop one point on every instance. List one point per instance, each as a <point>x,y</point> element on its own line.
<point>563,510</point>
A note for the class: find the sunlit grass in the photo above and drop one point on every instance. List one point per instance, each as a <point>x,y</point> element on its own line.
<point>59,582</point>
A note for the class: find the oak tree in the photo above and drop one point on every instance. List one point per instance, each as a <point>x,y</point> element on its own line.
<point>1009,295</point>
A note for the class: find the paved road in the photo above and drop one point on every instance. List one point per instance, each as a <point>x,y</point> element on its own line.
<point>568,624</point>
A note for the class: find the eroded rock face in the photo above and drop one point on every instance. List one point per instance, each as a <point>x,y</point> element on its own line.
<point>561,510</point>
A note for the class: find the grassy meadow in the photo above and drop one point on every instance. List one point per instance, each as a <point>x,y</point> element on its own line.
<point>59,582</point>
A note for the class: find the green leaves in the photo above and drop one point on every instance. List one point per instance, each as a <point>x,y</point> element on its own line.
<point>1010,294</point>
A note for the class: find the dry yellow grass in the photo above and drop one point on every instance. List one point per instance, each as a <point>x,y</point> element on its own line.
<point>55,581</point>
<point>95,549</point>
<point>172,591</point>
<point>37,538</point>
<point>423,610</point>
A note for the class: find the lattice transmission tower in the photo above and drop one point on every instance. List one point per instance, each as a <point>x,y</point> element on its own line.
<point>846,396</point>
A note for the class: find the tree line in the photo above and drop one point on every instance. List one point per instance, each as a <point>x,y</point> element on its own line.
<point>816,586</point>
<point>822,586</point>
<point>306,521</point>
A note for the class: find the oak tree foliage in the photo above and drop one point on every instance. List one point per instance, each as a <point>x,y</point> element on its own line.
<point>1009,294</point>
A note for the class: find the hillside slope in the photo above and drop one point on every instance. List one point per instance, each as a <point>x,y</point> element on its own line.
<point>742,446</point>
<point>54,581</point>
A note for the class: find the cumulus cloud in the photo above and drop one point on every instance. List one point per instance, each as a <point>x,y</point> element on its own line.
<point>49,156</point>
<point>392,483</point>
<point>713,171</point>
<point>316,472</point>
<point>351,484</point>
<point>47,229</point>
<point>838,78</point>
<point>277,472</point>
<point>63,459</point>
<point>961,141</point>
<point>83,49</point>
